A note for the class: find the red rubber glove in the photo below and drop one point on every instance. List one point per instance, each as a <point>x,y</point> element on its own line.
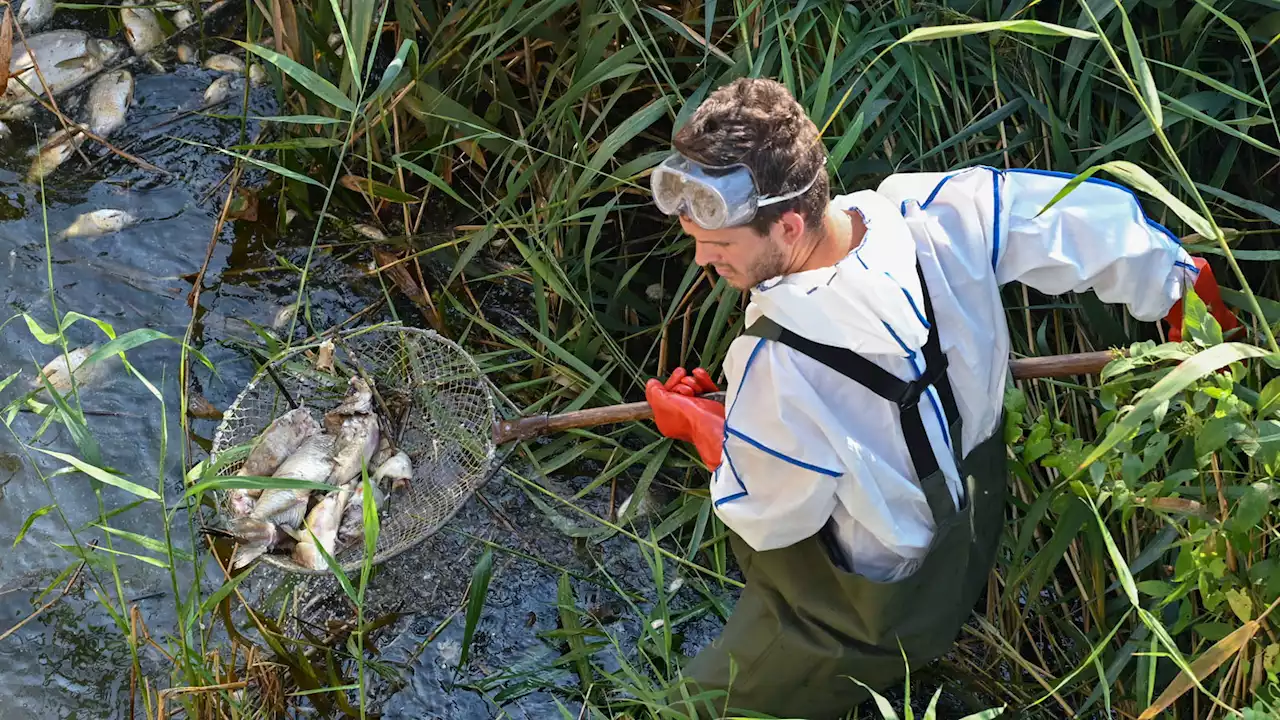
<point>681,415</point>
<point>1206,288</point>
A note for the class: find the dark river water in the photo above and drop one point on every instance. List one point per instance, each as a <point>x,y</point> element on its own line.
<point>71,662</point>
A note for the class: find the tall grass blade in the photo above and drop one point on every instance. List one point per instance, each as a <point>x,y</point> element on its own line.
<point>476,596</point>
<point>303,76</point>
<point>102,476</point>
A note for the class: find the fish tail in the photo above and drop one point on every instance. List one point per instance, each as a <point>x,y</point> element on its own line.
<point>246,554</point>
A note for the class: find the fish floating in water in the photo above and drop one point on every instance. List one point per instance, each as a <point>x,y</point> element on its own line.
<point>109,100</point>
<point>57,149</point>
<point>218,91</point>
<point>66,58</point>
<point>141,28</point>
<point>61,368</point>
<point>35,14</point>
<point>222,62</point>
<point>98,223</point>
<point>333,451</point>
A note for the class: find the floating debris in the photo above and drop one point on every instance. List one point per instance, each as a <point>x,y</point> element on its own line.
<point>98,223</point>
<point>324,356</point>
<point>200,407</point>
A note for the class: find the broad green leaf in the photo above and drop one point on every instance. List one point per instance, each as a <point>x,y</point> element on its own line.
<point>395,67</point>
<point>101,475</point>
<point>1187,372</point>
<point>1140,179</point>
<point>377,189</point>
<point>476,596</point>
<point>1215,84</point>
<point>432,178</point>
<point>40,334</point>
<point>261,483</point>
<point>305,78</point>
<point>1146,84</point>
<point>1030,27</point>
<point>301,143</point>
<point>218,595</point>
<point>26,525</point>
<point>298,119</point>
<point>142,540</point>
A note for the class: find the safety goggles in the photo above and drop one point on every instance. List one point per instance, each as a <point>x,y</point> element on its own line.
<point>714,197</point>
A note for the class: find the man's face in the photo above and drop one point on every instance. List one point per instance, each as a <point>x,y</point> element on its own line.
<point>740,255</point>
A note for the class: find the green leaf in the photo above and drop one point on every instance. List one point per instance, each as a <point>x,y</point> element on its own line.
<point>1146,84</point>
<point>300,119</point>
<point>101,475</point>
<point>687,33</point>
<point>218,595</point>
<point>300,143</point>
<point>379,190</point>
<point>261,483</point>
<point>1253,506</point>
<point>394,68</point>
<point>29,521</point>
<point>1267,399</point>
<point>305,78</point>
<point>432,178</point>
<point>1155,588</point>
<point>39,333</point>
<point>1177,380</point>
<point>476,596</point>
<point>1030,27</point>
<point>253,161</point>
<point>142,540</point>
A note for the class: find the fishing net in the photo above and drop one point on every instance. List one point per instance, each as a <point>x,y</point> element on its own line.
<point>435,400</point>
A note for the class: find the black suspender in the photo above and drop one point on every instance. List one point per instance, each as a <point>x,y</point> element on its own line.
<point>906,395</point>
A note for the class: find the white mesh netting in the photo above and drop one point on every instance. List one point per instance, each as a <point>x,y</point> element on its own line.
<point>432,395</point>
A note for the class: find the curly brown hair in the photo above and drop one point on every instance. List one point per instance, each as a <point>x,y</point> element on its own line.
<point>758,122</point>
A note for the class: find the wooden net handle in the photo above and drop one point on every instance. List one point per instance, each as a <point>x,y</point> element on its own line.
<point>531,427</point>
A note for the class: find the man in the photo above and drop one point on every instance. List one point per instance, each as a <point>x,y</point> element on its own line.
<point>860,465</point>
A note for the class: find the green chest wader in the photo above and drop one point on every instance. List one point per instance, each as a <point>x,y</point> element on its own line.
<point>805,623</point>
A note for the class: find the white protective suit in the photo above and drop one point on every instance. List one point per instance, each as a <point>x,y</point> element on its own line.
<point>804,443</point>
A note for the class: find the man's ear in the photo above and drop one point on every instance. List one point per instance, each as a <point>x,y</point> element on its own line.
<point>792,226</point>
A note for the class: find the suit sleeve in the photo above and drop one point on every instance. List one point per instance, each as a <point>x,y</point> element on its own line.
<point>1096,238</point>
<point>776,483</point>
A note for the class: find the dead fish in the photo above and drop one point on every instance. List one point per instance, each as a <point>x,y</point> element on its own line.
<point>109,100</point>
<point>284,316</point>
<point>370,232</point>
<point>398,469</point>
<point>5,132</point>
<point>60,370</point>
<point>56,150</point>
<point>352,527</point>
<point>258,75</point>
<point>311,462</point>
<point>383,453</point>
<point>355,430</point>
<point>183,19</point>
<point>98,223</point>
<point>358,401</point>
<point>278,442</point>
<point>141,28</point>
<point>218,91</point>
<point>185,54</point>
<point>199,406</point>
<point>324,356</point>
<point>255,537</point>
<point>66,58</point>
<point>280,506</point>
<point>321,530</point>
<point>222,62</point>
<point>241,501</point>
<point>35,14</point>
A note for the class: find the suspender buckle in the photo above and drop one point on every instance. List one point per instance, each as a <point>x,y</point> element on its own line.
<point>912,391</point>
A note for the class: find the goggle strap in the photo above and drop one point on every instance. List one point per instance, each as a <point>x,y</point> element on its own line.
<point>762,202</point>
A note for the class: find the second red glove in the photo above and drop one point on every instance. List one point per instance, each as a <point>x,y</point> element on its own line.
<point>681,415</point>
<point>1206,287</point>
